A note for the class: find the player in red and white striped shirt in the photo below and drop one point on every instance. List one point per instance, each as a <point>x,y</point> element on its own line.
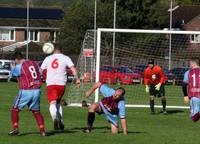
<point>56,77</point>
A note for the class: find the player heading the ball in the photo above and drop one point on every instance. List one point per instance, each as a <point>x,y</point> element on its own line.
<point>29,79</point>
<point>191,88</point>
<point>54,69</point>
<point>154,76</point>
<point>112,106</point>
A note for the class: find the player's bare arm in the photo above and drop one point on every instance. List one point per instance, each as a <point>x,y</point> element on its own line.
<point>124,126</point>
<point>74,72</point>
<point>92,89</point>
<point>89,93</point>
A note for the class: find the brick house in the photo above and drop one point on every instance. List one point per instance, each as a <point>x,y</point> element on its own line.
<point>44,25</point>
<point>188,18</point>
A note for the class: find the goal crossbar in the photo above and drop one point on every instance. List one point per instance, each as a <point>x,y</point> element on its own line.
<point>146,31</point>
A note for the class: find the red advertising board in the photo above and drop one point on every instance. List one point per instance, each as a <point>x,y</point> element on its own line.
<point>88,52</point>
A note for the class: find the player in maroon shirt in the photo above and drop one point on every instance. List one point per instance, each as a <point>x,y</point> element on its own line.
<point>191,88</point>
<point>29,80</point>
<point>112,106</point>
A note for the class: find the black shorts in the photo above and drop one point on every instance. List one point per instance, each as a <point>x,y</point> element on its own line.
<point>154,92</point>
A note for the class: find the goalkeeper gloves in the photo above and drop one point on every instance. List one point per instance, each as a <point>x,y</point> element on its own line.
<point>157,87</point>
<point>147,89</point>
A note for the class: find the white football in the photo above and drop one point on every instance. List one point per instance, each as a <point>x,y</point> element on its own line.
<point>48,48</point>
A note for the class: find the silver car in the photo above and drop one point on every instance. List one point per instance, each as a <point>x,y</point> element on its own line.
<point>5,69</point>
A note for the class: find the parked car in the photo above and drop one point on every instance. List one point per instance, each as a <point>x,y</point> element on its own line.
<point>118,75</point>
<point>107,74</point>
<point>124,75</point>
<point>141,68</point>
<point>179,74</point>
<point>136,70</point>
<point>5,69</point>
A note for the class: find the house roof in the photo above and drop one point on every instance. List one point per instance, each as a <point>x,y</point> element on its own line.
<point>185,14</point>
<point>34,13</point>
<point>20,23</point>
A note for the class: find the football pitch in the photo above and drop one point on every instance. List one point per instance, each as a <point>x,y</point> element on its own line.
<point>143,128</point>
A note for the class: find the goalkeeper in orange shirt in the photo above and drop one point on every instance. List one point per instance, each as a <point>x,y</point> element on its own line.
<point>154,80</point>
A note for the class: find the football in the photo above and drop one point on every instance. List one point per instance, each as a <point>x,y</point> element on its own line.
<point>48,48</point>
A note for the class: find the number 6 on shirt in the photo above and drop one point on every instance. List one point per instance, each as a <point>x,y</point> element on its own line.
<point>55,64</point>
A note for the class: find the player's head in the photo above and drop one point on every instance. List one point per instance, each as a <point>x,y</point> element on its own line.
<point>57,47</point>
<point>194,62</point>
<point>120,92</point>
<point>151,63</point>
<point>17,56</point>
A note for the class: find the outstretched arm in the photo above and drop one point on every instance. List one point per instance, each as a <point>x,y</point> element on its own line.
<point>92,89</point>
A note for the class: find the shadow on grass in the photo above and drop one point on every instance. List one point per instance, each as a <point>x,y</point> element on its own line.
<point>49,133</point>
<point>136,132</point>
<point>81,128</point>
<point>129,132</point>
<point>170,112</point>
<point>29,133</point>
<point>78,129</point>
<point>107,130</point>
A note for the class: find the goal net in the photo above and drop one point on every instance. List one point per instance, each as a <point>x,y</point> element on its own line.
<point>121,62</point>
<point>86,68</point>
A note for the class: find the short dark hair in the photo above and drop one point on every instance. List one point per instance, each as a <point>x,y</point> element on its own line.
<point>57,46</point>
<point>123,90</point>
<point>196,60</point>
<point>17,55</point>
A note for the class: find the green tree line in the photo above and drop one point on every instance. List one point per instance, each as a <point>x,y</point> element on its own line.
<point>133,14</point>
<point>79,16</point>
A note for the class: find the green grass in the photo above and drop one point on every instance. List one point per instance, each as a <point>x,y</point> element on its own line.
<point>135,94</point>
<point>143,128</point>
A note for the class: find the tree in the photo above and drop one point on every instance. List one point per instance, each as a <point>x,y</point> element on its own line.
<point>79,18</point>
<point>150,14</point>
<point>132,14</point>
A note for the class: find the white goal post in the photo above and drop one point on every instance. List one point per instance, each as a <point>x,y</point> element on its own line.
<point>136,31</point>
